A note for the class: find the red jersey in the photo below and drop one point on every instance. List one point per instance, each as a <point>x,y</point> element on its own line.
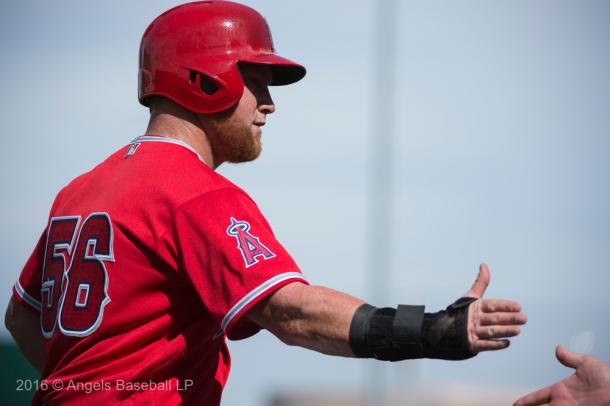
<point>147,263</point>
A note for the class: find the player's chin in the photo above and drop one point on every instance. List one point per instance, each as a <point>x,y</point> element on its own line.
<point>247,153</point>
<point>243,159</point>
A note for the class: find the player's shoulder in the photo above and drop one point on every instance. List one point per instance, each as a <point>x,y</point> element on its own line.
<point>181,171</point>
<point>155,172</point>
<point>161,169</point>
<point>180,167</point>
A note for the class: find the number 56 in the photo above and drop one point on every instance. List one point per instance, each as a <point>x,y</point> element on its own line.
<point>74,287</point>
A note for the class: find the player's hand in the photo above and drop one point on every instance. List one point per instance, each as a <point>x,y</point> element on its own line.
<point>491,321</point>
<point>589,386</point>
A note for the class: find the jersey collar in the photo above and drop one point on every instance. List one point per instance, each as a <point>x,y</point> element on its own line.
<point>160,138</point>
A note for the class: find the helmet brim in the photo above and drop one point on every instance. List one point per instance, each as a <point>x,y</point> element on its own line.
<point>283,71</point>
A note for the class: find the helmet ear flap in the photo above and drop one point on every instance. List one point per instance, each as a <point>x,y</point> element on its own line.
<point>207,84</point>
<point>204,91</point>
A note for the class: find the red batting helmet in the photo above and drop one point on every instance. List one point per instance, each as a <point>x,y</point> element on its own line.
<point>190,54</point>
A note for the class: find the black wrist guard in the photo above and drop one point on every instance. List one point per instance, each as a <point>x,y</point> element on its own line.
<point>407,332</point>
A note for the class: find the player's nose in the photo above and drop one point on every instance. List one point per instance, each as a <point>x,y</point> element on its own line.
<point>267,108</point>
<point>265,102</point>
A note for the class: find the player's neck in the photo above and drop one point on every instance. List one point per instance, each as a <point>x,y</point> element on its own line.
<point>178,125</point>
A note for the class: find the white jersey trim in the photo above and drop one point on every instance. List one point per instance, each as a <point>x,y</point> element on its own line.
<point>253,295</point>
<point>159,138</point>
<point>27,298</point>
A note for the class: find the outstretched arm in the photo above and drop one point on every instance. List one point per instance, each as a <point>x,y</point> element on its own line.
<point>24,326</point>
<point>320,319</point>
<point>312,317</point>
<point>590,384</point>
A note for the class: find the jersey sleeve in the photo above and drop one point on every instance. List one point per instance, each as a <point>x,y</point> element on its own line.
<point>231,256</point>
<point>27,287</point>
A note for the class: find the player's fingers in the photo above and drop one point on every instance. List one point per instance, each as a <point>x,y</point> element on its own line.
<point>480,284</point>
<point>538,398</point>
<point>567,358</point>
<point>502,319</point>
<point>489,345</point>
<point>499,305</point>
<point>486,332</point>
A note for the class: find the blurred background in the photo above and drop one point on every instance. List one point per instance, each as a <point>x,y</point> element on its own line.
<point>499,116</point>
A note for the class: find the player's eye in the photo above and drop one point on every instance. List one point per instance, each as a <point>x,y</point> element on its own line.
<point>253,83</point>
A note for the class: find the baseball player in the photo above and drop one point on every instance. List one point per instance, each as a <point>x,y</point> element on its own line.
<point>151,259</point>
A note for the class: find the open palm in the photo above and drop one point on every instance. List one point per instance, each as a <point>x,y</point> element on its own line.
<point>589,386</point>
<point>491,321</point>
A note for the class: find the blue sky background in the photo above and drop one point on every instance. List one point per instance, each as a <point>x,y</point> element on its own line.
<point>502,155</point>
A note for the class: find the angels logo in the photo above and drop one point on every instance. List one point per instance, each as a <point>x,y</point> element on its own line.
<point>249,245</point>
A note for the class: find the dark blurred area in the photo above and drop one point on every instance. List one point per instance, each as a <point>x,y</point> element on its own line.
<point>18,379</point>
